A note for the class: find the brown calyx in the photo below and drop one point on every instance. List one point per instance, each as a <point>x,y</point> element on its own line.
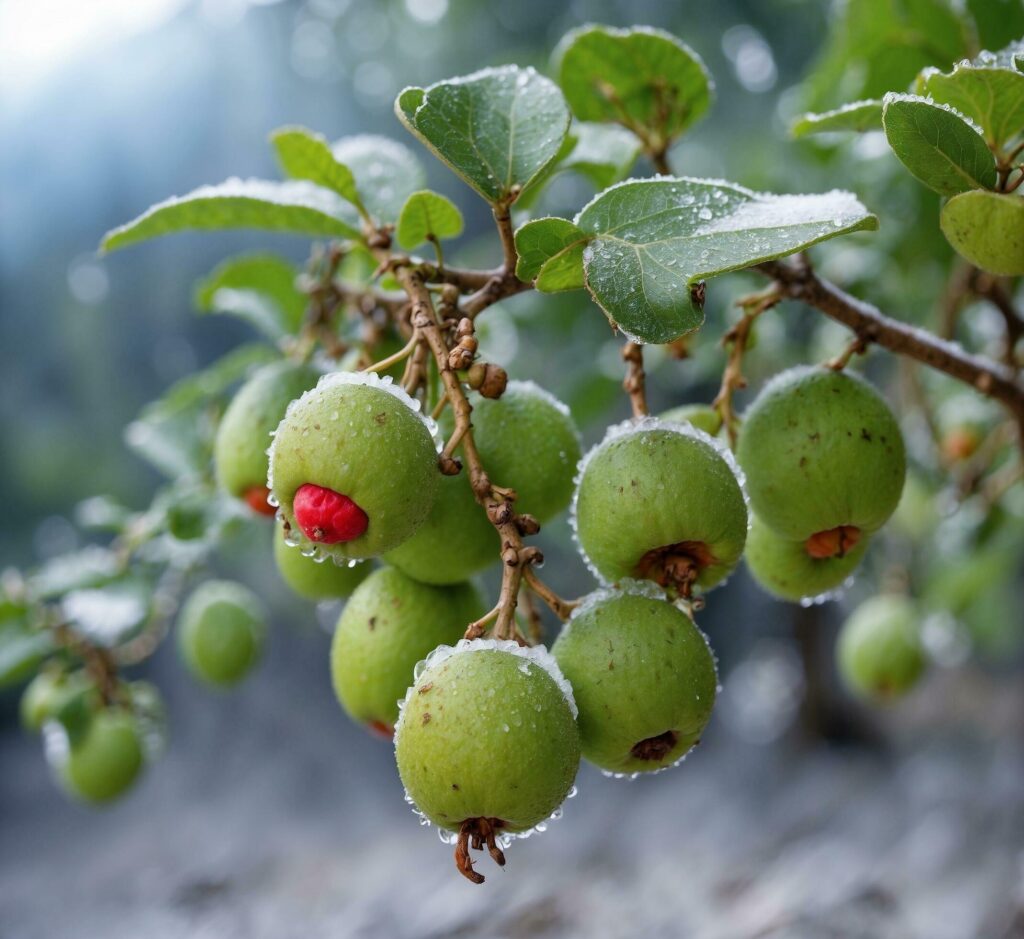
<point>834,543</point>
<point>657,748</point>
<point>676,566</point>
<point>478,832</point>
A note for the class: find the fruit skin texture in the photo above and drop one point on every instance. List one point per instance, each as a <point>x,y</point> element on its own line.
<point>639,669</point>
<point>221,631</point>
<point>879,652</point>
<point>353,436</point>
<point>820,450</point>
<point>987,229</point>
<point>702,416</point>
<point>787,571</point>
<point>107,760</point>
<point>391,623</point>
<point>315,580</point>
<point>528,442</point>
<point>656,486</point>
<point>464,752</point>
<point>243,436</point>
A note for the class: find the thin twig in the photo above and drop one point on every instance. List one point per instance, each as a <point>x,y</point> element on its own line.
<point>635,382</point>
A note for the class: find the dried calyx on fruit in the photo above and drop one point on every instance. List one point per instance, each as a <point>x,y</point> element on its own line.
<point>660,501</point>
<point>353,467</point>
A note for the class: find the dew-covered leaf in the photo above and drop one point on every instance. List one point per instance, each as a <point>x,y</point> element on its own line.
<point>306,155</point>
<point>550,253</point>
<point>427,215</point>
<point>496,128</point>
<point>260,289</point>
<point>22,651</point>
<point>91,566</point>
<point>653,240</point>
<point>858,116</point>
<point>937,145</point>
<point>110,615</point>
<point>645,79</point>
<point>296,207</point>
<point>992,97</point>
<point>386,172</point>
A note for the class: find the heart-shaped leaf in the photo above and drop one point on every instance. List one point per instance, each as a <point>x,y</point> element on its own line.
<point>550,253</point>
<point>427,216</point>
<point>258,288</point>
<point>858,116</point>
<point>296,207</point>
<point>386,172</point>
<point>653,240</point>
<point>992,97</point>
<point>305,155</point>
<point>937,145</point>
<point>645,79</point>
<point>987,229</point>
<point>496,128</point>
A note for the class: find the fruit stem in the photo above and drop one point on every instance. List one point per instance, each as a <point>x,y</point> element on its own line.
<point>857,346</point>
<point>635,382</point>
<point>399,356</point>
<point>561,608</point>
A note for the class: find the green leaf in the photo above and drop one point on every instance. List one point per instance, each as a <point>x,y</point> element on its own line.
<point>653,240</point>
<point>299,208</point>
<point>643,78</point>
<point>21,654</point>
<point>305,155</point>
<point>999,22</point>
<point>386,172</point>
<point>992,97</point>
<point>550,253</point>
<point>604,153</point>
<point>858,116</point>
<point>497,128</point>
<point>91,566</point>
<point>258,288</point>
<point>987,229</point>
<point>937,145</point>
<point>109,615</point>
<point>425,216</point>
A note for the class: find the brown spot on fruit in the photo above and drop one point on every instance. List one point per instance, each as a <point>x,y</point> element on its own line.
<point>656,748</point>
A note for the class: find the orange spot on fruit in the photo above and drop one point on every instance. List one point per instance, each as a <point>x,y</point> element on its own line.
<point>834,543</point>
<point>256,499</point>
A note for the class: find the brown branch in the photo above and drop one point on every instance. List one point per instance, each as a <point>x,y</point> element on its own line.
<point>635,382</point>
<point>990,378</point>
<point>560,607</point>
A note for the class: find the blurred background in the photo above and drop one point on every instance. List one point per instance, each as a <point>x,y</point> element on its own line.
<point>804,814</point>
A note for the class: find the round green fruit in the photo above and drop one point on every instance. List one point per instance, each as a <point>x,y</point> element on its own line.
<point>353,467</point>
<point>987,228</point>
<point>643,676</point>
<point>391,623</point>
<point>660,501</point>
<point>313,579</point>
<point>528,442</point>
<point>244,433</point>
<point>47,693</point>
<point>788,571</point>
<point>221,630</point>
<point>487,741</point>
<point>107,759</point>
<point>823,457</point>
<point>880,653</point>
<point>702,416</point>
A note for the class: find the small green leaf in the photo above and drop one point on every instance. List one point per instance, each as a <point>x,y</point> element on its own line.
<point>21,653</point>
<point>551,253</point>
<point>992,97</point>
<point>258,288</point>
<point>110,615</point>
<point>425,216</point>
<point>91,566</point>
<point>305,155</point>
<point>653,240</point>
<point>643,78</point>
<point>497,128</point>
<point>604,153</point>
<point>937,145</point>
<point>987,229</point>
<point>386,172</point>
<point>858,116</point>
<point>299,208</point>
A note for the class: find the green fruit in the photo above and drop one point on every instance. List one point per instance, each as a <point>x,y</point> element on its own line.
<point>488,735</point>
<point>660,501</point>
<point>987,228</point>
<point>358,440</point>
<point>312,579</point>
<point>107,759</point>
<point>47,693</point>
<point>528,442</point>
<point>823,456</point>
<point>240,449</point>
<point>221,631</point>
<point>643,676</point>
<point>701,416</point>
<point>879,652</point>
<point>391,623</point>
<point>786,569</point>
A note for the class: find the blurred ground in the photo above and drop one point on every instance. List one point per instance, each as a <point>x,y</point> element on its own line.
<point>264,825</point>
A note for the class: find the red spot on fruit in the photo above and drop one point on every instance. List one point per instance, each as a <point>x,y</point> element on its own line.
<point>834,543</point>
<point>256,499</point>
<point>326,516</point>
<point>380,729</point>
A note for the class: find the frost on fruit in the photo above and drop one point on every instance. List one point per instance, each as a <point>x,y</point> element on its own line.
<point>662,501</point>
<point>486,743</point>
